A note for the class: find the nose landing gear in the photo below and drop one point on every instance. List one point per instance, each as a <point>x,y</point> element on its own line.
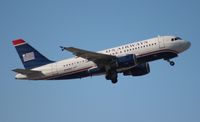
<point>172,63</point>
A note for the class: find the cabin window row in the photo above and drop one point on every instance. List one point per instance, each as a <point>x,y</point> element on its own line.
<point>130,49</point>
<point>78,62</point>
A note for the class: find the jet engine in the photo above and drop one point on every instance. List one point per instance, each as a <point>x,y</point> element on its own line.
<point>126,61</point>
<point>138,70</point>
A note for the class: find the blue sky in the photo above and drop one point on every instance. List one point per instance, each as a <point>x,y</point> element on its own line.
<point>166,94</point>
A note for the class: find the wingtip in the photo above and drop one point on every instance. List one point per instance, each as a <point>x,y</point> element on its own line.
<point>62,48</point>
<point>13,70</point>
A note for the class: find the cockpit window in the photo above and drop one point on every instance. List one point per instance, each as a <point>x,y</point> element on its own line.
<point>176,38</point>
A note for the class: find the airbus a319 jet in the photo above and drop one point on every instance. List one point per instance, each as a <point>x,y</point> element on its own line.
<point>130,59</point>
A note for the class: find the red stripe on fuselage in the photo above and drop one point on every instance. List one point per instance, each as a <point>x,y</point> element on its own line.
<point>67,73</point>
<point>158,51</point>
<point>18,42</point>
<point>77,71</point>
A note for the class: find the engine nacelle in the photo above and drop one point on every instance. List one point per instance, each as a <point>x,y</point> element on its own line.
<point>127,61</point>
<point>138,70</point>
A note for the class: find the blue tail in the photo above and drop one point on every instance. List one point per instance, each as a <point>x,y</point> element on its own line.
<point>30,57</point>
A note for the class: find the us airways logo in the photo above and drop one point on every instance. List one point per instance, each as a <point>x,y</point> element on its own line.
<point>28,56</point>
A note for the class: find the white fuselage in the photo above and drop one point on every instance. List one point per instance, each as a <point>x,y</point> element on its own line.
<point>142,48</point>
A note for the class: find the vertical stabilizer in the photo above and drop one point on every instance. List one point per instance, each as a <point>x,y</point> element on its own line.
<point>29,56</point>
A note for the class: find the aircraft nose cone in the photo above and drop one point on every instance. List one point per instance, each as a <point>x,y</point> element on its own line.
<point>184,45</point>
<point>187,45</point>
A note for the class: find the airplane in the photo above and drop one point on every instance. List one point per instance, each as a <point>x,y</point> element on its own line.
<point>130,59</point>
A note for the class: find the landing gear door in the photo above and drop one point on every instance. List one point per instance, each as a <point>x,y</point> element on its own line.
<point>161,43</point>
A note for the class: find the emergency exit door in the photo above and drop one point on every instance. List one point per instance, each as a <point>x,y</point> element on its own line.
<point>161,42</point>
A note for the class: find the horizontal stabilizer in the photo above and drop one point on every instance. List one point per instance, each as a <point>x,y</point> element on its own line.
<point>27,72</point>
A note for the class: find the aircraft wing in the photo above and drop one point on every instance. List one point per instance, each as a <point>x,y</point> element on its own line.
<point>98,58</point>
<point>27,72</point>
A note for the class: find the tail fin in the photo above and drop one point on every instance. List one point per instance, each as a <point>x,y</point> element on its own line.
<point>30,57</point>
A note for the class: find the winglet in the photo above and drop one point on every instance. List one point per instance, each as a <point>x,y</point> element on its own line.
<point>62,48</point>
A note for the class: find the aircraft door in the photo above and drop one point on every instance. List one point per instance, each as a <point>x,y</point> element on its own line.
<point>54,69</point>
<point>161,43</point>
